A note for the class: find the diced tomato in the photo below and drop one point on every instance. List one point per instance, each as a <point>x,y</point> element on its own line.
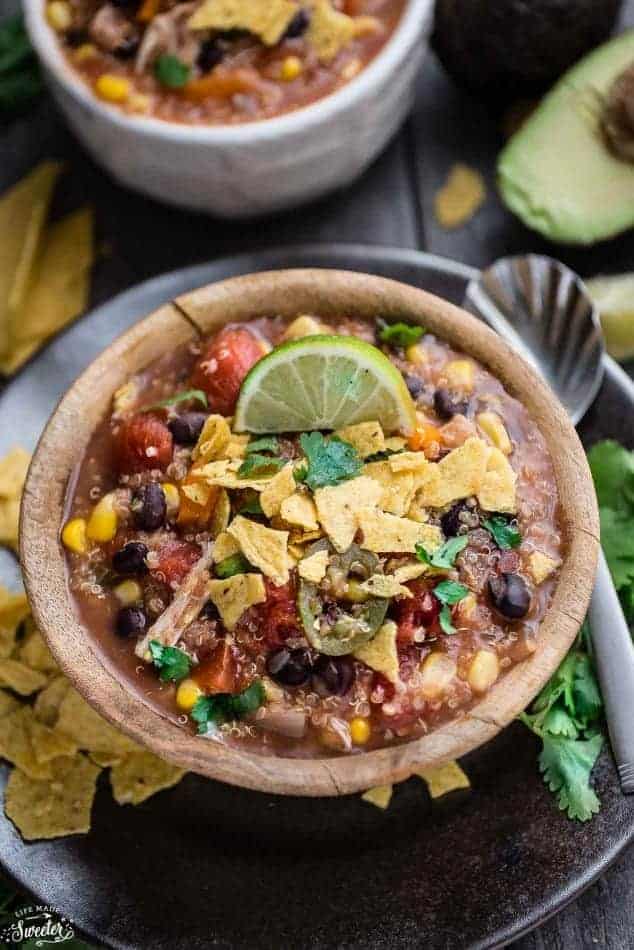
<point>280,619</point>
<point>175,560</point>
<point>417,612</point>
<point>223,365</point>
<point>142,444</point>
<point>218,674</point>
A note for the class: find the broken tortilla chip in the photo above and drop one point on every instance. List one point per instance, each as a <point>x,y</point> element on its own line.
<point>366,437</point>
<point>14,609</point>
<point>299,511</point>
<point>313,568</point>
<point>224,546</point>
<point>278,490</point>
<point>50,744</point>
<point>221,514</point>
<point>80,722</point>
<point>265,548</point>
<point>233,595</point>
<point>48,701</point>
<point>9,521</point>
<point>329,30</point>
<point>224,473</point>
<point>380,652</point>
<point>409,572</point>
<point>267,19</point>
<point>50,809</point>
<point>444,779</point>
<point>338,508</point>
<point>497,490</point>
<point>213,440</point>
<point>398,488</point>
<point>16,745</point>
<point>35,654</point>
<point>20,678</point>
<point>385,585</point>
<point>236,447</point>
<point>141,775</point>
<point>541,566</point>
<point>8,703</point>
<point>458,475</point>
<point>13,468</point>
<point>388,534</point>
<point>380,796</point>
<point>460,197</point>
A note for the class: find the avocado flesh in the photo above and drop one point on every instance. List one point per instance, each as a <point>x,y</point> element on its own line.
<point>557,174</point>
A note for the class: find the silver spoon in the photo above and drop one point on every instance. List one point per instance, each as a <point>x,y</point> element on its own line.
<point>542,309</point>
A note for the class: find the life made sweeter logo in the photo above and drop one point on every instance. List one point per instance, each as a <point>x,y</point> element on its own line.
<point>36,925</point>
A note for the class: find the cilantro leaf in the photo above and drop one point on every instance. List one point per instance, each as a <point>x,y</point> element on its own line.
<point>174,664</point>
<point>171,71</point>
<point>567,764</point>
<point>617,541</point>
<point>251,507</point>
<point>234,564</point>
<point>187,396</point>
<point>330,461</point>
<point>257,464</point>
<point>445,620</point>
<point>445,556</point>
<point>267,443</point>
<point>612,468</point>
<point>211,711</point>
<point>400,334</point>
<point>450,592</point>
<point>249,699</point>
<point>505,533</point>
<point>558,722</point>
<point>585,691</point>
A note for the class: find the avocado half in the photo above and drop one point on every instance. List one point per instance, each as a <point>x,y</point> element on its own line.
<point>558,173</point>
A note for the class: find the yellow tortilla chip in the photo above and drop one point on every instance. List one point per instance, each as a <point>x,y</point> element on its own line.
<point>14,609</point>
<point>541,566</point>
<point>20,678</point>
<point>105,759</point>
<point>338,508</point>
<point>13,468</point>
<point>50,744</point>
<point>408,462</point>
<point>444,779</point>
<point>313,568</point>
<point>51,809</point>
<point>497,491</point>
<point>80,722</point>
<point>267,19</point>
<point>224,546</point>
<point>233,595</point>
<point>395,443</point>
<point>380,652</point>
<point>458,475</point>
<point>221,514</point>
<point>16,745</point>
<point>236,448</point>
<point>197,492</point>
<point>380,796</point>
<point>281,486</point>
<point>299,511</point>
<point>34,653</point>
<point>388,534</point>
<point>409,572</point>
<point>366,437</point>
<point>224,473</point>
<point>213,439</point>
<point>9,521</point>
<point>263,547</point>
<point>329,30</point>
<point>398,488</point>
<point>385,585</point>
<point>141,775</point>
<point>460,197</point>
<point>8,703</point>
<point>48,701</point>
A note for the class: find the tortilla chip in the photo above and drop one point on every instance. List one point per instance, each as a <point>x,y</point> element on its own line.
<point>366,437</point>
<point>105,759</point>
<point>338,508</point>
<point>197,492</point>
<point>8,703</point>
<point>80,722</point>
<point>541,566</point>
<point>418,512</point>
<point>458,475</point>
<point>13,468</point>
<point>51,809</point>
<point>299,510</point>
<point>409,572</point>
<point>460,197</point>
<point>329,30</point>
<point>233,595</point>
<point>263,547</point>
<point>278,489</point>
<point>380,652</point>
<point>34,653</point>
<point>224,546</point>
<point>388,534</point>
<point>380,796</point>
<point>16,745</point>
<point>398,488</point>
<point>497,491</point>
<point>48,701</point>
<point>50,744</point>
<point>446,778</point>
<point>221,514</point>
<point>141,775</point>
<point>224,473</point>
<point>213,439</point>
<point>395,443</point>
<point>267,19</point>
<point>14,608</point>
<point>408,462</point>
<point>9,521</point>
<point>236,448</point>
<point>385,585</point>
<point>20,678</point>
<point>313,568</point>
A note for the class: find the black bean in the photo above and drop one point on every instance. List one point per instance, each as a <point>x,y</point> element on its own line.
<point>450,521</point>
<point>131,622</point>
<point>128,47</point>
<point>298,25</point>
<point>211,53</point>
<point>131,559</point>
<point>75,37</point>
<point>149,507</point>
<point>414,384</point>
<point>209,611</point>
<point>332,676</point>
<point>187,427</point>
<point>510,595</point>
<point>447,405</point>
<point>289,667</point>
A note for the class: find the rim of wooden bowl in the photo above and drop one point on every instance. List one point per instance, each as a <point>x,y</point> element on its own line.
<point>328,293</point>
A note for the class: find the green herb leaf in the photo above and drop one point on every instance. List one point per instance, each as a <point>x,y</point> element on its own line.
<point>505,533</point>
<point>445,556</point>
<point>444,618</point>
<point>267,443</point>
<point>171,71</point>
<point>612,468</point>
<point>251,507</point>
<point>567,765</point>
<point>20,77</point>
<point>330,461</point>
<point>585,692</point>
<point>211,711</point>
<point>173,663</point>
<point>450,592</point>
<point>188,396</point>
<point>249,699</point>
<point>400,334</point>
<point>257,464</point>
<point>558,722</point>
<point>234,564</point>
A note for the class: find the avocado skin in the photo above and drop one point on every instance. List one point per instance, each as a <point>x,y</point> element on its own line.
<point>502,49</point>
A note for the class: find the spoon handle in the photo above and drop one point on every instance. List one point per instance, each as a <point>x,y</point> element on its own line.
<point>614,658</point>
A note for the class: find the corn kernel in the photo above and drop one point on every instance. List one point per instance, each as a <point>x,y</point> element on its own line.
<point>187,693</point>
<point>493,427</point>
<point>59,15</point>
<point>85,52</point>
<point>74,535</point>
<point>128,593</point>
<point>112,88</point>
<point>102,524</point>
<point>303,325</point>
<point>137,102</point>
<point>484,671</point>
<point>437,672</point>
<point>460,374</point>
<point>172,496</point>
<point>416,354</point>
<point>291,68</point>
<point>359,730</point>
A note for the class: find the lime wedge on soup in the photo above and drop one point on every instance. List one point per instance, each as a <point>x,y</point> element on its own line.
<point>324,382</point>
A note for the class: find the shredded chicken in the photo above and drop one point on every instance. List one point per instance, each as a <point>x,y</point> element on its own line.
<point>111,30</point>
<point>169,33</point>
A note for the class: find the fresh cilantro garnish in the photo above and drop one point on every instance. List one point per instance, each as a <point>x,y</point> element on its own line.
<point>382,456</point>
<point>234,564</point>
<point>211,711</point>
<point>188,396</point>
<point>448,593</point>
<point>505,533</point>
<point>445,620</point>
<point>20,77</point>
<point>267,443</point>
<point>171,71</point>
<point>445,556</point>
<point>400,334</point>
<point>330,461</point>
<point>251,507</point>
<point>173,663</point>
<point>566,765</point>
<point>257,464</point>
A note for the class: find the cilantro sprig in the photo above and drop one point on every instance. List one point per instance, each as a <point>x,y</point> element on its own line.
<point>504,531</point>
<point>256,463</point>
<point>212,711</point>
<point>173,664</point>
<point>190,395</point>
<point>449,593</point>
<point>445,556</point>
<point>229,566</point>
<point>329,461</point>
<point>171,71</point>
<point>400,334</point>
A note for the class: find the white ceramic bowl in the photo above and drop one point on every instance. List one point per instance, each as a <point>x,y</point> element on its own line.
<point>255,167</point>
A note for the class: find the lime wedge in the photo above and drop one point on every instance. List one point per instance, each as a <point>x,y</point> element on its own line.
<point>323,382</point>
<point>614,296</point>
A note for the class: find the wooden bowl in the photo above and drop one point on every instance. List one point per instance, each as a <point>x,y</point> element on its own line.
<point>327,293</point>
